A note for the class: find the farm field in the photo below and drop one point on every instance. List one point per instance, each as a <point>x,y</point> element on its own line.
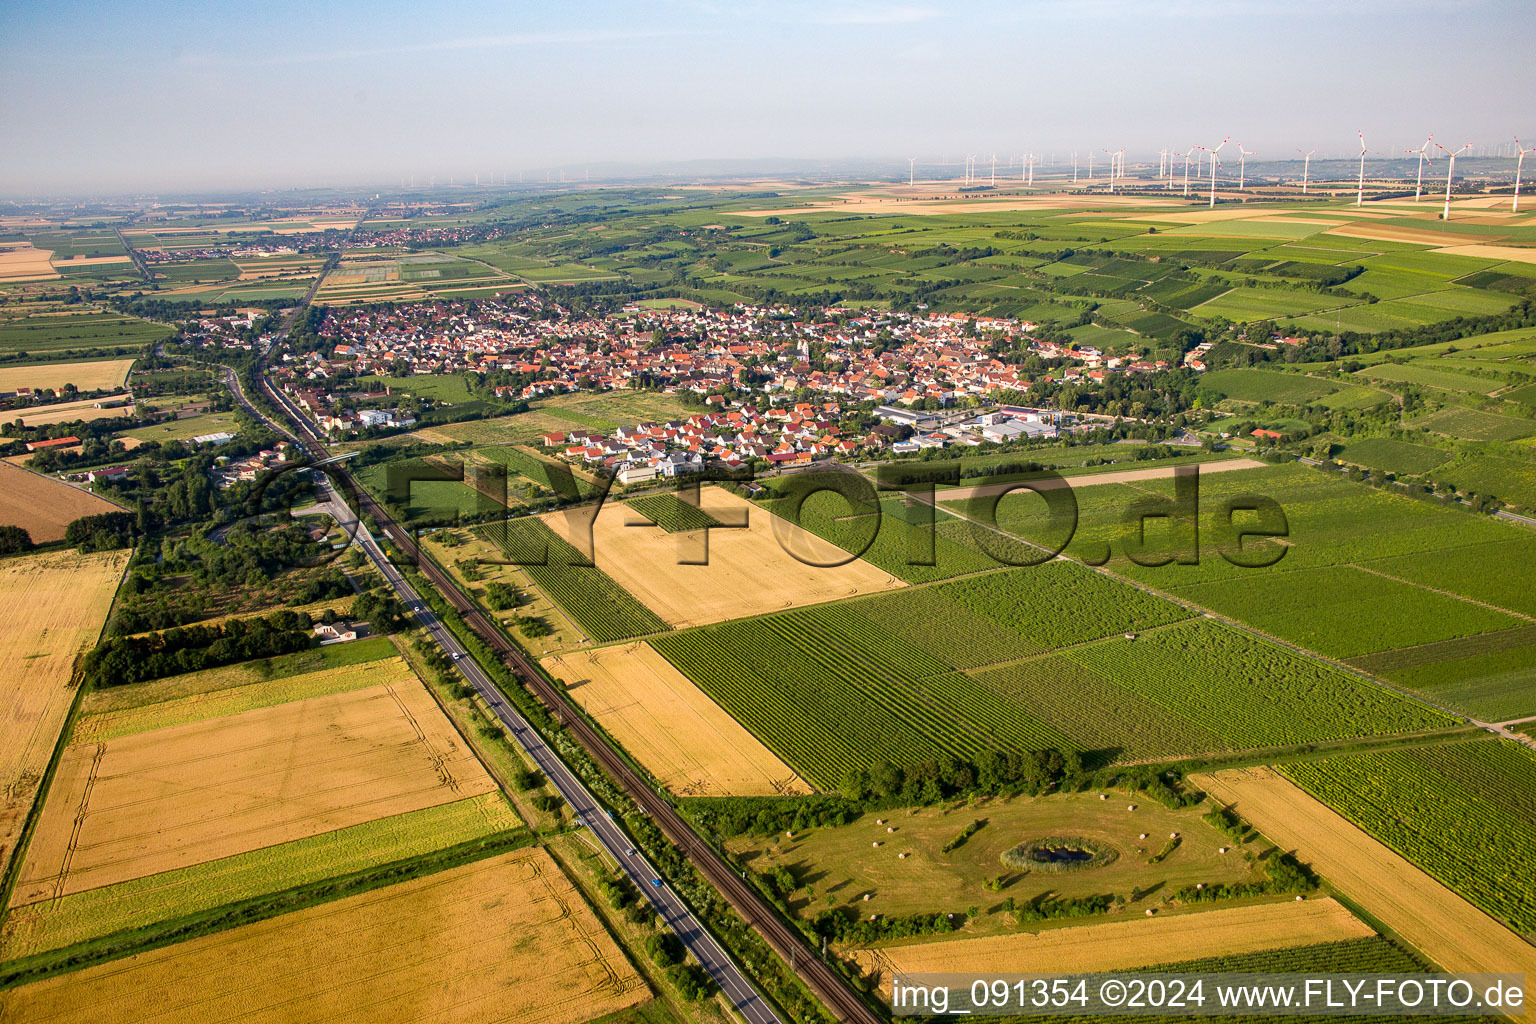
<point>181,795</point>
<point>1474,425</point>
<point>1441,925</point>
<point>1474,814</point>
<point>1122,945</point>
<point>1005,661</point>
<point>750,570</point>
<point>1407,542</point>
<point>1433,377</point>
<point>1267,386</point>
<point>1491,676</point>
<point>456,946</point>
<point>667,724</point>
<point>1400,457</point>
<point>593,601</point>
<point>850,862</point>
<point>61,331</point>
<point>57,602</point>
<point>68,412</point>
<point>89,375</point>
<point>42,505</point>
<point>82,916</point>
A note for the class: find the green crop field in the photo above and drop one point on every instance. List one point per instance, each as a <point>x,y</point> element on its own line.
<point>1267,386</point>
<point>1247,304</point>
<point>672,514</point>
<point>1473,425</point>
<point>49,332</point>
<point>1491,676</point>
<point>1473,820</point>
<point>1342,611</point>
<point>1354,398</point>
<point>1401,457</point>
<point>183,430</point>
<point>1431,377</point>
<point>1508,479</point>
<point>605,610</point>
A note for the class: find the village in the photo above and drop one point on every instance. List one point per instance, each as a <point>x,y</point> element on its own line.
<point>772,386</point>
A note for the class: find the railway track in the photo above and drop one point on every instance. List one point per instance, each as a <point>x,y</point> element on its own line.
<point>817,975</point>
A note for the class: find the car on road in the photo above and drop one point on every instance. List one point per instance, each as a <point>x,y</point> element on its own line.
<point>656,882</point>
<point>629,852</point>
<point>456,657</point>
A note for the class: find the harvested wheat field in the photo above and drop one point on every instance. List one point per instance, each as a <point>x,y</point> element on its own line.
<point>1440,924</point>
<point>749,572</point>
<point>186,794</point>
<point>1393,233</point>
<point>1513,253</point>
<point>1124,476</point>
<point>671,726</point>
<point>507,938</point>
<point>65,412</point>
<point>1122,945</point>
<point>42,505</point>
<point>89,375</point>
<point>21,262</point>
<point>55,604</point>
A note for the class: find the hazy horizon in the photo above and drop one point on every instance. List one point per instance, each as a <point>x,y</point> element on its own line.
<point>163,96</point>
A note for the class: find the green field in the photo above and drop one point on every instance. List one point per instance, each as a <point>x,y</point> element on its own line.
<point>605,610</point>
<point>1473,820</point>
<point>61,332</point>
<point>1401,457</point>
<point>1473,425</point>
<point>1433,377</point>
<point>1021,659</point>
<point>1267,386</point>
<point>672,514</point>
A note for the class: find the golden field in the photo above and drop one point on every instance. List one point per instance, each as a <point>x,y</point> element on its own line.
<point>186,794</point>
<point>503,938</point>
<point>55,605</point>
<point>88,375</point>
<point>683,738</point>
<point>749,572</point>
<point>42,505</point>
<point>65,412</point>
<point>1440,924</point>
<point>1122,945</point>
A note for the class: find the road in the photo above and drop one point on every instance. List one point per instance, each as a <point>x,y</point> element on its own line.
<point>785,941</point>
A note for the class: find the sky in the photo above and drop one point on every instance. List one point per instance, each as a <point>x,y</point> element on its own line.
<point>100,99</point>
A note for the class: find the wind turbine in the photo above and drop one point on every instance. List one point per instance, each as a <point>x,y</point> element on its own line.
<point>1520,152</point>
<point>1111,170</point>
<point>1423,152</point>
<point>1215,163</point>
<point>1360,192</point>
<point>1188,151</point>
<point>1074,167</point>
<point>994,170</point>
<point>1031,170</point>
<point>1242,165</point>
<point>911,170</point>
<point>1306,169</point>
<point>1090,165</point>
<point>1449,171</point>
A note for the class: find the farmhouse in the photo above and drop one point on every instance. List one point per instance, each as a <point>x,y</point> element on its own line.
<point>57,442</point>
